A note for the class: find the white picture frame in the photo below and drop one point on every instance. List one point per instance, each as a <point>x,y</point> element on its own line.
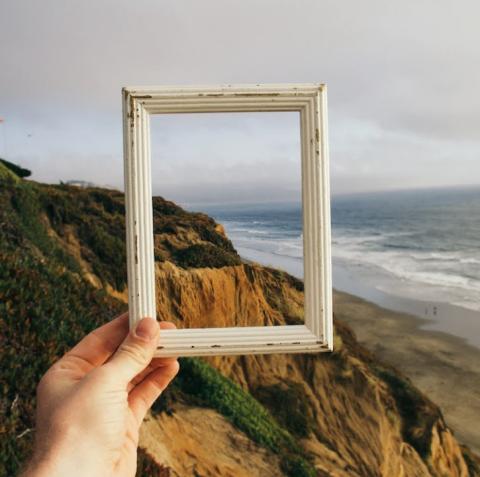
<point>310,100</point>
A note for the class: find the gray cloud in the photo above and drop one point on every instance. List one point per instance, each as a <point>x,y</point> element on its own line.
<point>241,157</point>
<point>402,77</point>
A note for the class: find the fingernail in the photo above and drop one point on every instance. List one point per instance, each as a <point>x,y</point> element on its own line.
<point>147,329</point>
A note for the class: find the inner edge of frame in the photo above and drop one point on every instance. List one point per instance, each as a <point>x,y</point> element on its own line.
<point>237,340</point>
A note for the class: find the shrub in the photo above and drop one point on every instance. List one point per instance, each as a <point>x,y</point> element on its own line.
<point>202,255</point>
<point>289,404</point>
<point>296,466</point>
<point>418,414</point>
<point>17,170</point>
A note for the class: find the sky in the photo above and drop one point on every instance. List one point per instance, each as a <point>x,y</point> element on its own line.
<point>404,107</point>
<point>212,158</point>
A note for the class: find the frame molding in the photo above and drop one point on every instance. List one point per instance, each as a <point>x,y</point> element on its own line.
<point>310,100</point>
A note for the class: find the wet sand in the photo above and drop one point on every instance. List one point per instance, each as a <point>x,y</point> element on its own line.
<point>439,315</point>
<point>445,367</point>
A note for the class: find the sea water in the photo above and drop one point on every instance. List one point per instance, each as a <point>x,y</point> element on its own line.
<point>421,244</point>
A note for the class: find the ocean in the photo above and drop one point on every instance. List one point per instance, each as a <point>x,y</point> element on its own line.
<point>417,244</point>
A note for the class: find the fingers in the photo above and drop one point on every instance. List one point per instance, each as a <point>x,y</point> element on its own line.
<point>146,392</point>
<point>156,362</point>
<point>147,386</point>
<point>135,353</point>
<point>97,346</point>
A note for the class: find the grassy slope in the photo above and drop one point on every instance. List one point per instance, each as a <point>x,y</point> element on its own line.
<point>47,304</point>
<point>45,307</point>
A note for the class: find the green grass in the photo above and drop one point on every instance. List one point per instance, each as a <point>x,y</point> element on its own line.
<point>201,384</point>
<point>98,219</point>
<point>27,203</point>
<point>7,177</point>
<point>43,313</point>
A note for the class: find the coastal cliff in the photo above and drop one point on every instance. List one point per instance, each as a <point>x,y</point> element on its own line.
<point>345,413</point>
<point>351,414</point>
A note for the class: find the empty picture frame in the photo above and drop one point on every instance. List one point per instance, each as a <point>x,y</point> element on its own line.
<point>310,100</point>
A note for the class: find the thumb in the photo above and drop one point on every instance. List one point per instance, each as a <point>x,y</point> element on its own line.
<point>136,351</point>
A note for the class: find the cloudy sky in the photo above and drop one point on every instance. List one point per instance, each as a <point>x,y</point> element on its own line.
<point>402,77</point>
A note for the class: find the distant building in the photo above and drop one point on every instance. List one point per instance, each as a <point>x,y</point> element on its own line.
<point>83,184</point>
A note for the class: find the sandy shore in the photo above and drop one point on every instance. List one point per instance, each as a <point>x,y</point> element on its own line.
<point>440,316</point>
<point>435,344</point>
<point>444,367</point>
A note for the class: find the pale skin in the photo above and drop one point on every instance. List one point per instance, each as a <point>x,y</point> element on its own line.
<point>91,403</point>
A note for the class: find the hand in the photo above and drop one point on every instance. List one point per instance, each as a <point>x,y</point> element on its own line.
<point>91,402</point>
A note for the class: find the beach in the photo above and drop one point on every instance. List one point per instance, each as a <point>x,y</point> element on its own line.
<point>443,366</point>
<point>436,315</point>
<point>446,368</point>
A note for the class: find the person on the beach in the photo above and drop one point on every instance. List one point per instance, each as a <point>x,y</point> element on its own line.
<point>92,401</point>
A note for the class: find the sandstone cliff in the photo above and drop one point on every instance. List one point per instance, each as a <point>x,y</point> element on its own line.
<point>62,271</point>
<point>352,415</point>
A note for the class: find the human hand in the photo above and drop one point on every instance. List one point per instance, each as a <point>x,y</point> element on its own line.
<point>91,402</point>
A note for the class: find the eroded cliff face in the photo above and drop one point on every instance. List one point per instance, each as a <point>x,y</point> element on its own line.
<point>195,441</point>
<point>361,418</point>
<point>241,295</point>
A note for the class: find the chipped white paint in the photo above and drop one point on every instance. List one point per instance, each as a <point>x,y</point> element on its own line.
<point>310,100</point>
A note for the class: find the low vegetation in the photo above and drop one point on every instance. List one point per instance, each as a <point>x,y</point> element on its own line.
<point>53,237</point>
<point>200,384</point>
<point>418,414</point>
<point>17,170</point>
<point>46,306</point>
<point>201,255</point>
<point>288,402</point>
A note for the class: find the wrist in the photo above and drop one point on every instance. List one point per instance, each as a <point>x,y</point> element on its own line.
<point>64,457</point>
<point>42,466</point>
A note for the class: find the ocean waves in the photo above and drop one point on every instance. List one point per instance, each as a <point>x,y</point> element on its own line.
<point>416,244</point>
<point>453,277</point>
<point>425,241</point>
